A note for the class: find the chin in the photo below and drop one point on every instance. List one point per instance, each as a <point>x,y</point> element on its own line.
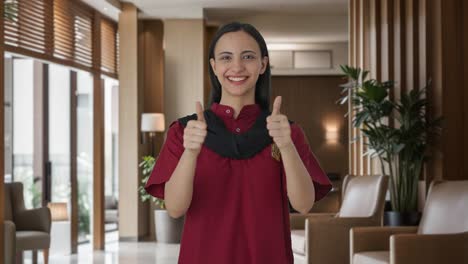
<point>238,91</point>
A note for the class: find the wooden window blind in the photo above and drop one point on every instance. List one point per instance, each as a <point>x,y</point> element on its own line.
<point>60,31</point>
<point>26,30</point>
<point>63,30</point>
<point>108,46</point>
<point>83,35</point>
<point>73,32</point>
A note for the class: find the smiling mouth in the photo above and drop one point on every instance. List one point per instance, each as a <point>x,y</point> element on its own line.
<point>237,80</point>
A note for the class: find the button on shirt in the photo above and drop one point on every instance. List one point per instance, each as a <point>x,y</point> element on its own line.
<point>239,211</point>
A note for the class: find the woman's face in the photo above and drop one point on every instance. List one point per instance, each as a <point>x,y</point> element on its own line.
<point>237,64</point>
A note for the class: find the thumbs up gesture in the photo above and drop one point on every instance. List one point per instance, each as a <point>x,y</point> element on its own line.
<point>278,126</point>
<point>195,131</point>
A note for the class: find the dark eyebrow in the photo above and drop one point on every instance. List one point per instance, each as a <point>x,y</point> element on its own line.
<point>248,51</point>
<point>225,52</point>
<point>230,53</point>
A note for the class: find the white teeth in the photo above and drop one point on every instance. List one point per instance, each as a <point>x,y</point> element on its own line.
<point>237,79</point>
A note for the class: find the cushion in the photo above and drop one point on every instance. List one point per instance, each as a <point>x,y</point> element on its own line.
<point>111,216</point>
<point>29,240</point>
<point>298,241</point>
<point>372,257</point>
<point>111,202</point>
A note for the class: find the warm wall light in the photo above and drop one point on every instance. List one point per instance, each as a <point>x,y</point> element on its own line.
<point>58,211</point>
<point>332,134</point>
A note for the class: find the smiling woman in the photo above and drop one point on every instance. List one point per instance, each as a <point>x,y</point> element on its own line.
<point>231,168</point>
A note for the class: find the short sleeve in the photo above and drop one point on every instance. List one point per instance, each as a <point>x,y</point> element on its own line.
<point>320,179</point>
<point>167,160</point>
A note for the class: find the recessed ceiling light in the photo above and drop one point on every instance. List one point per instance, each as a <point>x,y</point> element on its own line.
<point>105,8</point>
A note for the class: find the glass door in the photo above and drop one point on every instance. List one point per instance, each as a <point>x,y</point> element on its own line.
<point>84,113</point>
<point>59,133</point>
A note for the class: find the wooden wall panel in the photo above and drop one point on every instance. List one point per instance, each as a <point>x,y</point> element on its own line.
<point>421,46</point>
<point>434,167</point>
<point>310,102</point>
<point>454,102</point>
<point>399,46</point>
<point>464,85</point>
<point>366,64</point>
<point>151,78</point>
<point>209,33</point>
<point>418,40</point>
<point>351,61</point>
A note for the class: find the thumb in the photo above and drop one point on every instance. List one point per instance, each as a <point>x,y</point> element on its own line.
<point>276,106</point>
<point>199,108</point>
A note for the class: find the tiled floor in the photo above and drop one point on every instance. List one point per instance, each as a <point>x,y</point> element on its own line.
<point>123,253</point>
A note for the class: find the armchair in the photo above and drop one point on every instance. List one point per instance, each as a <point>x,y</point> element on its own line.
<point>32,226</point>
<point>442,236</point>
<point>9,242</point>
<point>324,238</point>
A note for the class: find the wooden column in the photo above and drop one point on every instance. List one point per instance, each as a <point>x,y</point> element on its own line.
<point>151,79</point>
<point>131,225</point>
<point>98,137</point>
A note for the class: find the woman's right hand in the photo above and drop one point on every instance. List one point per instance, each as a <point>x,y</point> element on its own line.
<point>195,132</point>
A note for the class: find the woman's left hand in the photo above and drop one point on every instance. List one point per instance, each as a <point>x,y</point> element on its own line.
<point>278,126</point>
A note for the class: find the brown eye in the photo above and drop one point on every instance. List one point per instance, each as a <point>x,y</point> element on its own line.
<point>224,58</point>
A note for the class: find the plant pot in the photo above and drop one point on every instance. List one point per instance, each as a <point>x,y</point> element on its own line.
<point>394,218</point>
<point>168,229</point>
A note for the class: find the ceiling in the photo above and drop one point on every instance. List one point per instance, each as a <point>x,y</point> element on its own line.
<point>213,9</point>
<point>279,20</point>
<point>194,8</point>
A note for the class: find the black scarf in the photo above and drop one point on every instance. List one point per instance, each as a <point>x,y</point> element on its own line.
<point>232,145</point>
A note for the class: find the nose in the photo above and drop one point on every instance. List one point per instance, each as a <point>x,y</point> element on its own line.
<point>237,65</point>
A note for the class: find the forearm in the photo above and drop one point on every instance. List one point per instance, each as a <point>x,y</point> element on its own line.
<point>300,187</point>
<point>178,190</point>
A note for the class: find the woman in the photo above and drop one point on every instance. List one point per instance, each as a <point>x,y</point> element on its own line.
<point>231,169</point>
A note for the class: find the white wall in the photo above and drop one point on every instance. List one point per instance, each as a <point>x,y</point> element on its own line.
<point>183,73</point>
<point>300,28</point>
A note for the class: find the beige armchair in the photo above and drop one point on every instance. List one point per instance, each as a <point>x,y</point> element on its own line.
<point>324,238</point>
<point>442,236</point>
<point>32,226</point>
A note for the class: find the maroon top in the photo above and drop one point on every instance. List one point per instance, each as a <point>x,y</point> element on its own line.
<point>239,211</point>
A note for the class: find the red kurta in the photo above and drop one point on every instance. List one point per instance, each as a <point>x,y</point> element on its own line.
<point>239,211</point>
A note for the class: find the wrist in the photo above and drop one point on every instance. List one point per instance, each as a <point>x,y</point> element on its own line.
<point>287,147</point>
<point>190,153</point>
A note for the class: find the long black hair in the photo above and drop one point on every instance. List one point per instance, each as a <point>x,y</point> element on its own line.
<point>262,87</point>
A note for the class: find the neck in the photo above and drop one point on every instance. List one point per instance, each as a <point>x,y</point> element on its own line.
<point>237,103</point>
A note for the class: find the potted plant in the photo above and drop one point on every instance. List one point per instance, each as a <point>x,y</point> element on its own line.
<point>397,133</point>
<point>168,229</point>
